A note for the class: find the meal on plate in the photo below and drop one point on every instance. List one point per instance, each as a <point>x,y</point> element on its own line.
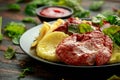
<point>80,42</point>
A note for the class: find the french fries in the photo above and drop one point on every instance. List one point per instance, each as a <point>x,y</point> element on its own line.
<point>48,39</point>
<point>46,29</point>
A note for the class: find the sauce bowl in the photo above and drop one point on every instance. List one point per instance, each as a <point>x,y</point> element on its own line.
<point>50,13</point>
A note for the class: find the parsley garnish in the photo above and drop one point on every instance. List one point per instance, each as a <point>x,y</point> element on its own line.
<point>9,53</point>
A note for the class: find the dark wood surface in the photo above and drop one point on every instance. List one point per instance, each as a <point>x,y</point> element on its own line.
<point>10,69</point>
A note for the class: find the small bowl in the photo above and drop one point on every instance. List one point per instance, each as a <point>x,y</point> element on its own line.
<point>43,17</point>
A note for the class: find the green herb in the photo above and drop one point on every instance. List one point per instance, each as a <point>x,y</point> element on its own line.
<point>30,9</point>
<point>117,37</point>
<point>107,13</point>
<point>111,30</point>
<point>81,13</point>
<point>24,72</point>
<point>12,7</point>
<point>1,35</point>
<point>83,27</point>
<point>96,5</point>
<point>9,53</point>
<point>29,20</point>
<point>73,28</point>
<point>98,19</point>
<point>79,28</point>
<point>16,39</point>
<point>113,33</point>
<point>14,30</point>
<point>15,7</point>
<point>113,19</point>
<point>114,77</point>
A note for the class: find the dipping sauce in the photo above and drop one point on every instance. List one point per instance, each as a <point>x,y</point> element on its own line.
<point>54,12</point>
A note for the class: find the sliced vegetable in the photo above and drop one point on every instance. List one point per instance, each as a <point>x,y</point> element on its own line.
<point>9,53</point>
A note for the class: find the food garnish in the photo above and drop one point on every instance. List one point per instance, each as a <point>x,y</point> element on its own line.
<point>14,7</point>
<point>96,5</point>
<point>29,20</point>
<point>9,53</point>
<point>24,72</point>
<point>14,30</point>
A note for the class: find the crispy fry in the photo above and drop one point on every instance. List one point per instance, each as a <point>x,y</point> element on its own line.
<point>44,29</point>
<point>55,25</point>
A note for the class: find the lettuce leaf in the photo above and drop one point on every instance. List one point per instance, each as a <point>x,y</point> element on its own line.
<point>84,27</point>
<point>80,28</point>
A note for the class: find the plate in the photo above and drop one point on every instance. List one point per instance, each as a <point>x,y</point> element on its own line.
<point>29,36</point>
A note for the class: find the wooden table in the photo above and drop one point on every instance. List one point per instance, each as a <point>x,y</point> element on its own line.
<point>10,69</point>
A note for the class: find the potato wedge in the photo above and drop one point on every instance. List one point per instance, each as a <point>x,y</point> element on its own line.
<point>47,46</point>
<point>44,29</point>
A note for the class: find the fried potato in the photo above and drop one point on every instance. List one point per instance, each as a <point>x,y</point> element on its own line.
<point>44,29</point>
<point>115,58</point>
<point>55,25</point>
<point>47,46</point>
